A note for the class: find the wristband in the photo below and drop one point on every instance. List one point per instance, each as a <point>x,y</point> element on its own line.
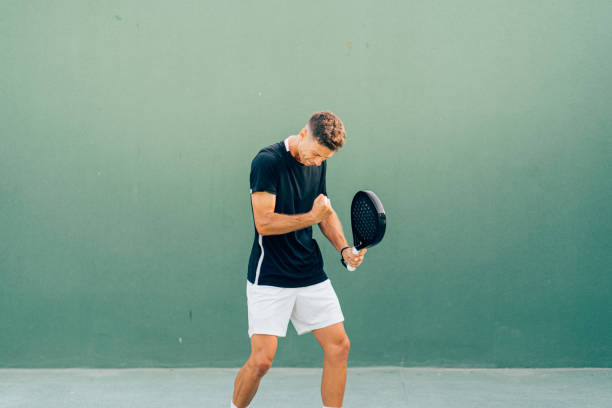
<point>341,257</point>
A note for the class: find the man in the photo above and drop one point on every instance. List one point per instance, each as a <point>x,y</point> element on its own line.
<point>285,279</point>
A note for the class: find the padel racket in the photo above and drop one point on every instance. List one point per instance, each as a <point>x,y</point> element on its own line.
<point>368,220</point>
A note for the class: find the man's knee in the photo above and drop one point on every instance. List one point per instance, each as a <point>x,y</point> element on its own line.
<point>261,362</point>
<point>339,349</point>
<point>263,348</point>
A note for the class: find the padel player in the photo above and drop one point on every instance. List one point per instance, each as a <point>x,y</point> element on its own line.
<point>285,279</point>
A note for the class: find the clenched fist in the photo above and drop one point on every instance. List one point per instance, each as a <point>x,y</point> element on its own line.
<point>353,259</point>
<point>321,208</point>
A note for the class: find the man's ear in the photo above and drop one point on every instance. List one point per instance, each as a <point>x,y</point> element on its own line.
<point>303,133</point>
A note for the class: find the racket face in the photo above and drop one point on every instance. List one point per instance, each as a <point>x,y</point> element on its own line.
<point>368,219</point>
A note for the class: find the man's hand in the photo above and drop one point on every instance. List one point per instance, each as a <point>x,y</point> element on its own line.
<point>351,259</point>
<point>321,208</point>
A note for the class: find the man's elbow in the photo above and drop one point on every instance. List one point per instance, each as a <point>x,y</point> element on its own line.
<point>262,226</point>
<point>263,233</point>
<point>261,230</point>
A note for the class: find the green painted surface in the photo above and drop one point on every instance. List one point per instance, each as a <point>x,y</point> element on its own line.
<point>127,131</point>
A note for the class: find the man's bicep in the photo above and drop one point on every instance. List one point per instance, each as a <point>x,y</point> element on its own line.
<point>263,205</point>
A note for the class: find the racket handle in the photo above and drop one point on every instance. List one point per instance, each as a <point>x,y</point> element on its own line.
<point>348,266</point>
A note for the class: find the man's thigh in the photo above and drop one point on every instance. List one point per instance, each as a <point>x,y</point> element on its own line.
<point>331,335</point>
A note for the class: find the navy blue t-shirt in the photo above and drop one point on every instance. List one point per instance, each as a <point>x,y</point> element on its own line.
<point>293,259</point>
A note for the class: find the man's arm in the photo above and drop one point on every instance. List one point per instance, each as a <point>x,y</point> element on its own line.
<point>268,222</point>
<point>332,229</point>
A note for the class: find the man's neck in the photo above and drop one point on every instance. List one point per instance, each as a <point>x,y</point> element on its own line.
<point>292,147</point>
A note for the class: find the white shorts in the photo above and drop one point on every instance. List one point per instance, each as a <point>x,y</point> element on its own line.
<point>310,307</point>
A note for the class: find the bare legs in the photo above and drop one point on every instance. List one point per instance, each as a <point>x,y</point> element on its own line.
<point>263,348</point>
<point>335,345</point>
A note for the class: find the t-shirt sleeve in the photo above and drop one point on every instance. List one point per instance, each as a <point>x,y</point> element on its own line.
<point>264,174</point>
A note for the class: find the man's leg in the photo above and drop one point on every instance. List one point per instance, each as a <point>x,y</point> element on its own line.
<point>336,345</point>
<point>263,348</point>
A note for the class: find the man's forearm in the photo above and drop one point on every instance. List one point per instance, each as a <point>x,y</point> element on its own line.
<point>331,227</point>
<point>276,223</point>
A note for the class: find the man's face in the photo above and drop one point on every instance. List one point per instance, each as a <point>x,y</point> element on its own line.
<point>310,151</point>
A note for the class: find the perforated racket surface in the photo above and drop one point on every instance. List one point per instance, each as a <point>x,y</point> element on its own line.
<point>368,221</point>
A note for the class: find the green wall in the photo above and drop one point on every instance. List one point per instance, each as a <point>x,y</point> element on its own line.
<point>127,131</point>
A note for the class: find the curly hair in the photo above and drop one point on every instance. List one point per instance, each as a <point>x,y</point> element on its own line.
<point>327,129</point>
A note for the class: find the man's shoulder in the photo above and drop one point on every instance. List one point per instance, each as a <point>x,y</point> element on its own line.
<point>269,155</point>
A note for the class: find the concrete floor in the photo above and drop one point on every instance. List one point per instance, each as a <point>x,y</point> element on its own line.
<point>299,387</point>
